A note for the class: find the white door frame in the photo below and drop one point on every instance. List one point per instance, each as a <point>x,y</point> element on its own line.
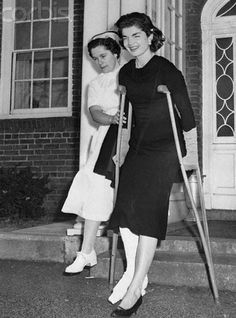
<point>209,29</point>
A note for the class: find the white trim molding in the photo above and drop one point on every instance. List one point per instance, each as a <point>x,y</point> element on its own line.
<point>8,21</point>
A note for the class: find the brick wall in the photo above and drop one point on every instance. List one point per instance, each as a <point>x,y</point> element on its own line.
<point>193,53</point>
<point>49,145</point>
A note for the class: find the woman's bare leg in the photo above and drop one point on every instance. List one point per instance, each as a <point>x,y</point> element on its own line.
<point>89,237</point>
<point>87,255</point>
<point>144,256</point>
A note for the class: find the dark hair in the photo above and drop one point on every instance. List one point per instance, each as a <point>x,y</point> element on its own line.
<point>108,43</point>
<point>143,22</point>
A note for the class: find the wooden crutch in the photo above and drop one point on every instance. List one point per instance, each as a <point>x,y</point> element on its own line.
<point>122,91</point>
<point>204,234</point>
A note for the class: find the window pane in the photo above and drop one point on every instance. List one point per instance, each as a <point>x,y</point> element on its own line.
<point>177,30</point>
<point>42,64</point>
<point>60,8</point>
<point>178,6</point>
<point>22,36</point>
<point>23,10</point>
<point>59,33</point>
<point>22,95</point>
<point>60,63</point>
<point>168,23</point>
<point>177,58</point>
<point>168,51</point>
<point>41,94</point>
<point>23,66</point>
<point>41,9</point>
<point>40,34</point>
<point>59,93</point>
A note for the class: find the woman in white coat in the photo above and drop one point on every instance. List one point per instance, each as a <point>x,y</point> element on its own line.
<point>91,193</point>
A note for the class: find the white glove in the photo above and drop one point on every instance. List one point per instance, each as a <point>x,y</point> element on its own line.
<point>191,159</point>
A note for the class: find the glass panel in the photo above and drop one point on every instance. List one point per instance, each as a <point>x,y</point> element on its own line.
<point>230,103</point>
<point>59,93</point>
<point>230,70</point>
<point>224,87</point>
<point>22,95</point>
<point>177,30</point>
<point>60,63</point>
<point>177,58</point>
<point>154,11</point>
<point>225,131</point>
<point>168,24</point>
<point>40,34</point>
<point>41,94</point>
<point>60,8</point>
<point>168,51</point>
<point>230,121</point>
<point>22,36</point>
<point>219,103</point>
<point>220,121</point>
<point>225,112</point>
<point>177,6</point>
<point>42,64</point>
<point>23,10</point>
<point>228,9</point>
<point>23,66</point>
<point>59,33</point>
<point>41,9</point>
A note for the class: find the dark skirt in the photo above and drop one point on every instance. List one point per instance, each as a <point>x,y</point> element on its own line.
<point>144,190</point>
<point>105,165</point>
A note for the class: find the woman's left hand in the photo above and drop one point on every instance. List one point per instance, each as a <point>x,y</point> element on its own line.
<point>191,159</point>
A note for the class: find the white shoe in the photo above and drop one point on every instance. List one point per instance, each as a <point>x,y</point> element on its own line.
<point>80,262</point>
<point>122,286</point>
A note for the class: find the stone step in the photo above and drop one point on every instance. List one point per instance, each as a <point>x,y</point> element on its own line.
<point>188,244</point>
<point>194,245</point>
<point>32,247</point>
<point>178,269</point>
<point>47,246</point>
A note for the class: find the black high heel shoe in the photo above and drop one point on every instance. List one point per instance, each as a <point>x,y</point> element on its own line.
<point>121,312</point>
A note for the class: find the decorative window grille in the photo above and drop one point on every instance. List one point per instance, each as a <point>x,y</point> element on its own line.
<point>225,97</point>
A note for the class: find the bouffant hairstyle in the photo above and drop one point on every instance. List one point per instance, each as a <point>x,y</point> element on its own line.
<point>144,23</point>
<point>108,43</point>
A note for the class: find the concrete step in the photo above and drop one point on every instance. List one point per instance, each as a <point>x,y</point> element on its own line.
<point>177,259</point>
<point>50,242</point>
<point>178,269</point>
<point>31,247</point>
<point>45,243</point>
<point>194,245</point>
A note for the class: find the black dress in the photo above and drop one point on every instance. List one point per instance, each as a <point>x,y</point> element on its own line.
<point>151,165</point>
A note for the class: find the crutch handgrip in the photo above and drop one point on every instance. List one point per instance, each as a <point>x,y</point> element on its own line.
<point>163,89</point>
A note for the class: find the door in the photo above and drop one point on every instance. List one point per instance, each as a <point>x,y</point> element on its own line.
<point>219,104</point>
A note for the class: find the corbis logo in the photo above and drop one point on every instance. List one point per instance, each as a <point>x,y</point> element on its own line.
<point>36,11</point>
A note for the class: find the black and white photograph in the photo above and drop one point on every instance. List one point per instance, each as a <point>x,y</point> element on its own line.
<point>117,158</point>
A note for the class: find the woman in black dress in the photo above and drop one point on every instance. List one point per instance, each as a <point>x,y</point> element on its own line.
<point>151,165</point>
